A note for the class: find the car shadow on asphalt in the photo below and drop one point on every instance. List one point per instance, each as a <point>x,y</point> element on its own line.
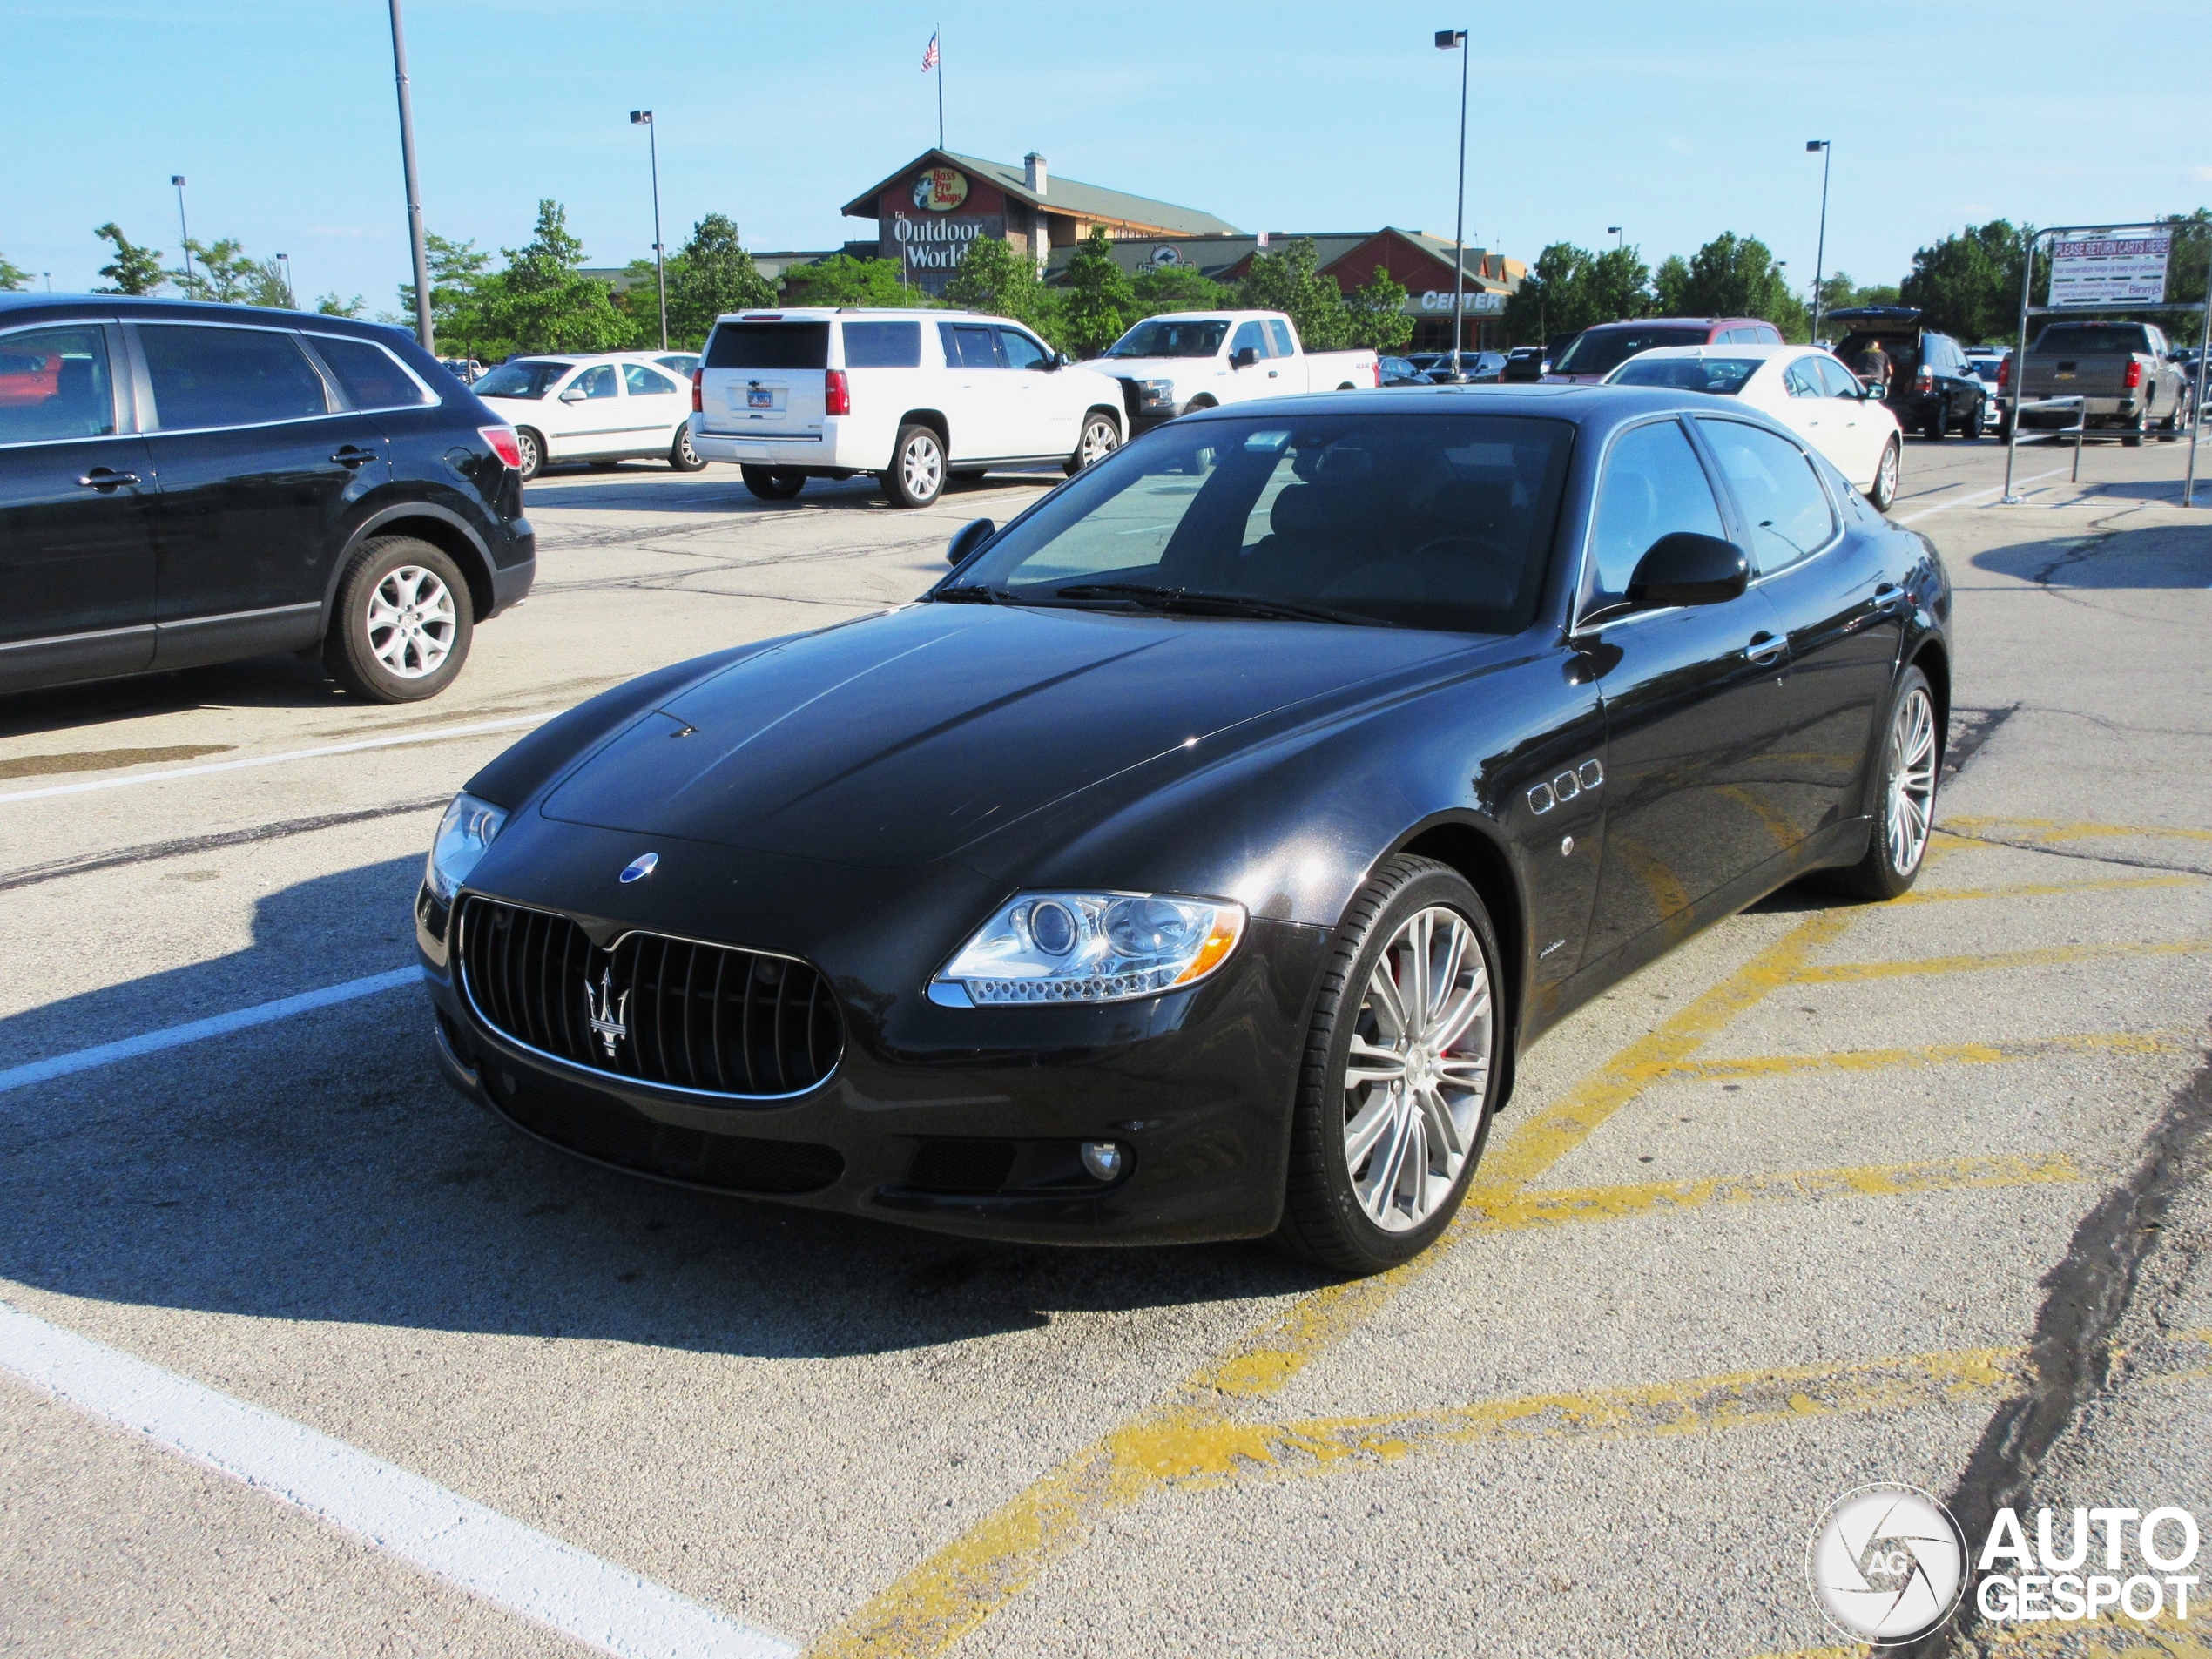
<point>2172,555</point>
<point>283,681</point>
<point>626,489</point>
<point>320,1168</point>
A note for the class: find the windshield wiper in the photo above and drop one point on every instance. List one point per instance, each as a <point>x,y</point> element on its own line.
<point>1220,605</point>
<point>970,593</point>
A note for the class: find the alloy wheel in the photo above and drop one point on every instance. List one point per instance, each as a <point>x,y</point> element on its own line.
<point>1886,479</point>
<point>1913,780</point>
<point>1100,440</point>
<point>412,621</point>
<point>1418,1072</point>
<point>922,468</point>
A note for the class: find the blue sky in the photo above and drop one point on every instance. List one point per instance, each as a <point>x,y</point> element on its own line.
<point>1678,121</point>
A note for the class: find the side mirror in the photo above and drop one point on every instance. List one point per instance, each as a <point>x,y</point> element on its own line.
<point>1687,569</point>
<point>967,538</point>
<point>1243,358</point>
<point>574,395</point>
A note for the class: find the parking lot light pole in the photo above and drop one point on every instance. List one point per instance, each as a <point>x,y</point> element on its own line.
<point>1614,230</point>
<point>184,231</point>
<point>1456,40</point>
<point>414,187</point>
<point>1820,252</point>
<point>291,294</point>
<point>645,118</point>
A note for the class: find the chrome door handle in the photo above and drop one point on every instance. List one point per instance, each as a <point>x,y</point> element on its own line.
<point>106,478</point>
<point>1887,595</point>
<point>352,456</point>
<point>1766,649</point>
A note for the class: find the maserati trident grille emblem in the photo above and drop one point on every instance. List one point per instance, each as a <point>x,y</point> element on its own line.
<point>606,1012</point>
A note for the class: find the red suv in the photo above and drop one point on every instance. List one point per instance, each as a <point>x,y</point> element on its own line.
<point>1604,348</point>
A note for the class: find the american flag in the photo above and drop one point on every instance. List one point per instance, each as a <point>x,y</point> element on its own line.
<point>929,57</point>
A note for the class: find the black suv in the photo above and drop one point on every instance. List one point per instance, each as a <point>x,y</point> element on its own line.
<point>183,484</point>
<point>1932,389</point>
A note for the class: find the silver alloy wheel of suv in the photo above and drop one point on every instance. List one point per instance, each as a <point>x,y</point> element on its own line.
<point>917,475</point>
<point>412,621</point>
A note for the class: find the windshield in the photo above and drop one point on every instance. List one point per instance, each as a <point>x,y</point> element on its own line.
<point>1602,350</point>
<point>1419,521</point>
<point>1723,376</point>
<point>1160,338</point>
<point>524,377</point>
<point>2093,338</point>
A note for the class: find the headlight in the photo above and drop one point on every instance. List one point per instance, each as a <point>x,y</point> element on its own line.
<point>1155,394</point>
<point>463,833</point>
<point>1092,948</point>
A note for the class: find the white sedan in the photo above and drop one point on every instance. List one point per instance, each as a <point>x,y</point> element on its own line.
<point>603,407</point>
<point>1806,390</point>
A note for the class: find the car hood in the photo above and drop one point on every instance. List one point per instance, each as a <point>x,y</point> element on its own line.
<point>1153,368</point>
<point>901,738</point>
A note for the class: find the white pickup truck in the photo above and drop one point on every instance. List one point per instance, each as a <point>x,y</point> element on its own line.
<point>1195,360</point>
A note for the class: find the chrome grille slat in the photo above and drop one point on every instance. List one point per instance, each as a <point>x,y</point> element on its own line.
<point>686,1008</point>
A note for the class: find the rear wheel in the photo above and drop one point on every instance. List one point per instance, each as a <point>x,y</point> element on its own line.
<point>1884,495</point>
<point>532,448</point>
<point>1102,436</point>
<point>401,629</point>
<point>1910,754</point>
<point>1976,421</point>
<point>773,483</point>
<point>2131,436</point>
<point>1937,423</point>
<point>917,474</point>
<point>1403,1061</point>
<point>681,457</point>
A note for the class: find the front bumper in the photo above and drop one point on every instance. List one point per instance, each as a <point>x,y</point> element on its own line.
<point>1198,1085</point>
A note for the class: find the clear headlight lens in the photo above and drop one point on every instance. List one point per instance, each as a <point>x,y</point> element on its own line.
<point>1155,394</point>
<point>1093,948</point>
<point>463,833</point>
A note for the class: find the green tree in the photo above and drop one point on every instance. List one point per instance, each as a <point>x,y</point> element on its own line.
<point>267,286</point>
<point>1968,284</point>
<point>331,306</point>
<point>1375,313</point>
<point>995,276</point>
<point>841,280</point>
<point>12,277</point>
<point>456,272</point>
<point>1286,280</point>
<point>1097,299</point>
<point>711,273</point>
<point>134,269</point>
<point>1838,292</point>
<point>1570,288</point>
<point>1731,276</point>
<point>221,270</point>
<point>1176,288</point>
<point>541,301</point>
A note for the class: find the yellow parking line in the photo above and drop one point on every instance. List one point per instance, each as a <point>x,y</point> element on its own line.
<point>2049,829</point>
<point>2044,956</point>
<point>2037,889</point>
<point>1939,1054</point>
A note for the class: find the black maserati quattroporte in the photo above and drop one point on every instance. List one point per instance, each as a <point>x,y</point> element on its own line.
<point>1196,859</point>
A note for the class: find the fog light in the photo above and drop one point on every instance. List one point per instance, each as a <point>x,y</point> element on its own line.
<point>1105,1159</point>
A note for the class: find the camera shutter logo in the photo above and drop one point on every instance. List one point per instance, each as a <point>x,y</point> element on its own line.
<point>1888,1564</point>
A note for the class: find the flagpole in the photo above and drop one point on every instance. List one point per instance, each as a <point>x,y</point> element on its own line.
<point>939,38</point>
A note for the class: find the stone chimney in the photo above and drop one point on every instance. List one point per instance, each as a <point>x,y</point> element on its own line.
<point>1033,173</point>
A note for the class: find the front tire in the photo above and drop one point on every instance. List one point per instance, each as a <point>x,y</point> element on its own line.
<point>681,457</point>
<point>1884,495</point>
<point>1937,423</point>
<point>1911,759</point>
<point>1977,423</point>
<point>1102,436</point>
<point>532,448</point>
<point>916,477</point>
<point>401,629</point>
<point>1403,1062</point>
<point>773,483</point>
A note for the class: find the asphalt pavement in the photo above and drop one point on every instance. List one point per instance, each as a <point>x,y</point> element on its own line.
<point>301,1354</point>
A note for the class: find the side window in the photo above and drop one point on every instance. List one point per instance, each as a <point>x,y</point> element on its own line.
<point>1778,489</point>
<point>54,384</point>
<point>978,347</point>
<point>368,374</point>
<point>205,376</point>
<point>1021,351</point>
<point>1766,335</point>
<point>596,382</point>
<point>646,382</point>
<point>1802,378</point>
<point>1250,337</point>
<point>885,344</point>
<point>1653,486</point>
<point>1835,380</point>
<point>1278,335</point>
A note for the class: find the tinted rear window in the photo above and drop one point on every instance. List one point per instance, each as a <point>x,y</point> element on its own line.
<point>372,379</point>
<point>219,377</point>
<point>1602,350</point>
<point>881,345</point>
<point>769,345</point>
<point>2093,338</point>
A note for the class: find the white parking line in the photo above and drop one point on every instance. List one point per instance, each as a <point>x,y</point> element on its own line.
<point>1930,512</point>
<point>439,1532</point>
<point>218,1025</point>
<point>435,734</point>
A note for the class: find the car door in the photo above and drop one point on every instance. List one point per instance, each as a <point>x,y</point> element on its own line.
<point>1291,372</point>
<point>1049,406</point>
<point>1842,616</point>
<point>260,469</point>
<point>592,415</point>
<point>76,505</point>
<point>1692,707</point>
<point>981,422</point>
<point>657,406</point>
<point>1803,406</point>
<point>1260,376</point>
<point>1865,424</point>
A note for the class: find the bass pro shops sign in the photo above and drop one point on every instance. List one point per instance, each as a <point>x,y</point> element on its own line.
<point>929,239</point>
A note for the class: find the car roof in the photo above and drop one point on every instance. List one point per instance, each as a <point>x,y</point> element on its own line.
<point>830,313</point>
<point>1672,323</point>
<point>1722,348</point>
<point>1594,407</point>
<point>20,308</point>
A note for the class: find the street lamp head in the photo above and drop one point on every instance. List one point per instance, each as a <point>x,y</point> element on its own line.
<point>641,118</point>
<point>1612,230</point>
<point>1450,39</point>
<point>1814,145</point>
<point>178,179</point>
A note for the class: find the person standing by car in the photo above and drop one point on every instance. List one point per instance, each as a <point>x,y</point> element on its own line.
<point>1872,365</point>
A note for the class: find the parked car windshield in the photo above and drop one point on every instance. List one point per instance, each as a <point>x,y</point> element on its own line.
<point>1723,376</point>
<point>524,377</point>
<point>1415,520</point>
<point>1157,339</point>
<point>2093,338</point>
<point>1602,350</point>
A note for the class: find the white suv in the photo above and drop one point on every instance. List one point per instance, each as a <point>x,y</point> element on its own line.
<point>605,407</point>
<point>911,396</point>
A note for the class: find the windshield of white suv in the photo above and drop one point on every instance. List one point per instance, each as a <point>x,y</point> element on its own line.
<point>523,377</point>
<point>1723,376</point>
<point>1155,338</point>
<point>1405,520</point>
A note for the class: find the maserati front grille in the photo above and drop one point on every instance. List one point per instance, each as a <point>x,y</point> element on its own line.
<point>671,1012</point>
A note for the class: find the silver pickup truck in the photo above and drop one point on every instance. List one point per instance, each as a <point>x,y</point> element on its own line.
<point>2126,372</point>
